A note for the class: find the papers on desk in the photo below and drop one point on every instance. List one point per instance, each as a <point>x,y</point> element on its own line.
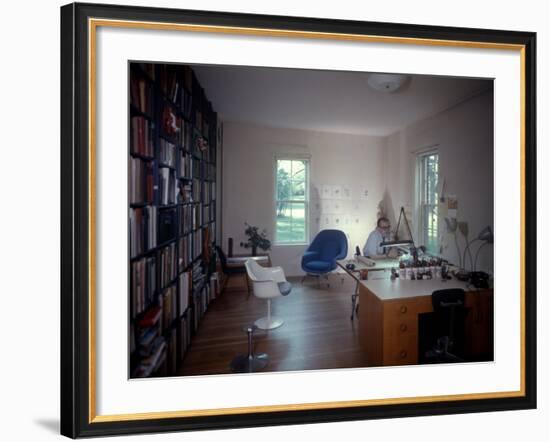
<point>368,262</point>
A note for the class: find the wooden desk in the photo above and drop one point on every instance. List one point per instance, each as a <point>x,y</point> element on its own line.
<point>361,272</point>
<point>388,319</point>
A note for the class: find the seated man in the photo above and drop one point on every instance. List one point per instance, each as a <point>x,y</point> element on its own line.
<point>372,247</point>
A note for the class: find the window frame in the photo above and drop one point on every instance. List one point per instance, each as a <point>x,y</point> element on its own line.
<point>421,203</point>
<point>305,201</point>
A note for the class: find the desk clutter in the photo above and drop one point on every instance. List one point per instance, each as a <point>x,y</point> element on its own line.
<point>423,269</point>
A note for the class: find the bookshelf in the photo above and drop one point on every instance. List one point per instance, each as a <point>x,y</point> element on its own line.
<point>173,135</point>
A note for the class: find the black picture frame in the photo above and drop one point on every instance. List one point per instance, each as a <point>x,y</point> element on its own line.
<point>77,404</point>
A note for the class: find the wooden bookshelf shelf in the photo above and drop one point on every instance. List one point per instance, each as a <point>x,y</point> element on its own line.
<point>173,138</point>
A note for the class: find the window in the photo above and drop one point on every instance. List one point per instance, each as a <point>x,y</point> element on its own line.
<point>428,169</point>
<point>291,200</point>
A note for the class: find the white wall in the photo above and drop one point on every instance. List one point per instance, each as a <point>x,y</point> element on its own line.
<point>464,138</point>
<point>336,159</point>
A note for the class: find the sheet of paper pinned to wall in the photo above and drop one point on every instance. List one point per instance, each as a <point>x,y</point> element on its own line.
<point>364,194</point>
<point>337,206</point>
<point>346,192</point>
<point>452,206</point>
<point>336,192</point>
<point>326,191</point>
<point>326,220</point>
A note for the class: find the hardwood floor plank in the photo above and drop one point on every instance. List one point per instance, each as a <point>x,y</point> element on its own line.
<point>317,333</point>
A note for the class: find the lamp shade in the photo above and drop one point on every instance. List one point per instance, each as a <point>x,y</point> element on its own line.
<point>486,235</point>
<point>451,224</point>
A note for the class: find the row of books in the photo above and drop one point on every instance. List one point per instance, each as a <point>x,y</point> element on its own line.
<point>210,153</point>
<point>201,300</point>
<point>210,172</point>
<point>185,193</point>
<point>186,219</point>
<point>185,251</point>
<point>167,186</point>
<point>141,137</point>
<point>143,230</point>
<point>167,265</point>
<point>209,190</point>
<point>141,95</point>
<point>208,213</point>
<point>172,74</point>
<point>196,190</point>
<point>141,181</point>
<point>166,225</point>
<point>177,342</point>
<point>186,138</point>
<point>186,164</point>
<point>168,301</point>
<point>169,82</point>
<point>157,321</point>
<point>167,153</point>
<point>143,284</point>
<point>197,243</point>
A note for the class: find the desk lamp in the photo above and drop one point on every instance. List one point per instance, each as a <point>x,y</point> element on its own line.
<point>486,235</point>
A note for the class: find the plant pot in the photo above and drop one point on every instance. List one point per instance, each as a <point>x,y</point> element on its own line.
<point>254,250</point>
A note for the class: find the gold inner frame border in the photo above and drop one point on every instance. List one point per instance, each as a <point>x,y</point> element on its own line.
<point>93,24</point>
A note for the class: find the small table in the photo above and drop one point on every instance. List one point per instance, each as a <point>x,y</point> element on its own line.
<point>361,273</point>
<point>239,259</point>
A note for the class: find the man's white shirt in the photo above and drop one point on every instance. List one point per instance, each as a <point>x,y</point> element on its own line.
<point>372,246</point>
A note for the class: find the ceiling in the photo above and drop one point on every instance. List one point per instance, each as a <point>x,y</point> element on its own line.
<point>329,101</point>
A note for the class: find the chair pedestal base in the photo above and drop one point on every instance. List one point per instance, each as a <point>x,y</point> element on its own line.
<point>267,323</point>
<point>249,364</point>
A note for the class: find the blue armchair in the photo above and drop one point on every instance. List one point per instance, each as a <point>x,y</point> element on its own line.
<point>321,255</point>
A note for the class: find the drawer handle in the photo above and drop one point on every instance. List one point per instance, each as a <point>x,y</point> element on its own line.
<point>403,309</point>
<point>403,327</point>
<point>403,354</point>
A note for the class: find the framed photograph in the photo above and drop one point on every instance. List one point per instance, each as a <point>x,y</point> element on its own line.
<point>203,286</point>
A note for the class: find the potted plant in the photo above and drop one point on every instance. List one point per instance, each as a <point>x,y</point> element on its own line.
<point>255,239</point>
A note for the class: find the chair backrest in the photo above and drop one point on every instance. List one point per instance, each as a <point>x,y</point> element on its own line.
<point>331,244</point>
<point>447,299</point>
<point>448,305</point>
<point>254,270</point>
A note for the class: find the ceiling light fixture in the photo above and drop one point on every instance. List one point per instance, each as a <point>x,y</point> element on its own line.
<point>386,82</point>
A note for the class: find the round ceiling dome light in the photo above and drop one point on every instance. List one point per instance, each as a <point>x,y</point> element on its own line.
<point>387,82</point>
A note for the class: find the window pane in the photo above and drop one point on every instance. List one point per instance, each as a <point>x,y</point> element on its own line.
<point>299,170</point>
<point>429,169</point>
<point>298,190</point>
<point>291,222</point>
<point>283,179</point>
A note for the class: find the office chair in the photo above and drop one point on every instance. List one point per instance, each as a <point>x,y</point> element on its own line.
<point>231,270</point>
<point>267,283</point>
<point>448,326</point>
<point>320,257</point>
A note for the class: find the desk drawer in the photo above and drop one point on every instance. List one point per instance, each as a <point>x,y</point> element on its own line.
<point>401,331</point>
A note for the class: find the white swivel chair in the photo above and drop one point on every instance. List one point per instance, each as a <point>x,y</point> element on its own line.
<point>267,283</point>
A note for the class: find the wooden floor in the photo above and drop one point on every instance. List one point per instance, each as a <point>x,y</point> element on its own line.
<point>317,333</point>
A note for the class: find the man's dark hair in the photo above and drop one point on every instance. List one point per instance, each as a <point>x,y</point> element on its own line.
<point>382,219</point>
